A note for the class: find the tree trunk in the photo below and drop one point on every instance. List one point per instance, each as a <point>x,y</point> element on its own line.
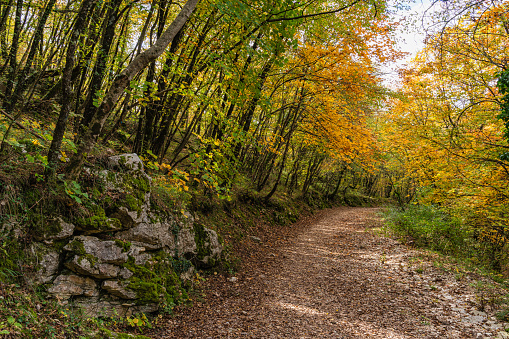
<point>58,133</point>
<point>23,76</point>
<point>90,136</point>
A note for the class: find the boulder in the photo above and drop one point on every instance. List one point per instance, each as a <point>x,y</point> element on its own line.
<point>55,229</point>
<point>105,307</point>
<point>126,162</point>
<point>47,263</point>
<point>118,289</point>
<point>87,266</point>
<point>104,251</point>
<point>208,246</point>
<point>125,182</point>
<point>66,286</point>
<point>151,236</point>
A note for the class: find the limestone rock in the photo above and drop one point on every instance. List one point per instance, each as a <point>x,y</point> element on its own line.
<point>105,251</point>
<point>186,245</point>
<point>86,266</point>
<point>125,273</point>
<point>209,248</point>
<point>152,236</point>
<point>188,275</point>
<point>118,289</point>
<point>127,162</point>
<point>129,218</point>
<point>199,244</point>
<point>132,182</point>
<point>55,229</point>
<point>98,281</point>
<point>47,262</point>
<point>66,286</point>
<point>102,307</point>
<point>140,258</point>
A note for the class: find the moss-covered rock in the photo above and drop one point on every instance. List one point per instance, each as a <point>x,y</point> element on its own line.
<point>126,162</point>
<point>152,236</point>
<point>104,251</point>
<point>54,229</point>
<point>208,246</point>
<point>156,281</point>
<point>46,261</point>
<point>66,286</point>
<point>97,221</point>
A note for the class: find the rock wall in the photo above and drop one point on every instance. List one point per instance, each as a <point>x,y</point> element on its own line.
<point>125,258</point>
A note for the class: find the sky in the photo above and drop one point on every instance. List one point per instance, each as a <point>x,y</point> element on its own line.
<point>411,37</point>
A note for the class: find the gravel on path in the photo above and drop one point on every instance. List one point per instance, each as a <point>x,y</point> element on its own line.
<point>333,276</point>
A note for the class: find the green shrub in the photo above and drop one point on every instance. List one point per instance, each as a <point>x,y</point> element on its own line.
<point>432,228</point>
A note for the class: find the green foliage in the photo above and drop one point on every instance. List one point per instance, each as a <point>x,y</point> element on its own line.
<point>435,229</point>
<point>25,314</point>
<point>430,227</point>
<point>73,190</point>
<point>503,87</point>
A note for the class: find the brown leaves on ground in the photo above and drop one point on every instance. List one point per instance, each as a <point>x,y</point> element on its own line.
<point>330,276</point>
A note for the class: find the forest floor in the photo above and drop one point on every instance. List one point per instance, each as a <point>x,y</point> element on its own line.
<point>333,275</point>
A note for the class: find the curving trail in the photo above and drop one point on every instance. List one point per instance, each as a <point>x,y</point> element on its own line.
<point>331,276</point>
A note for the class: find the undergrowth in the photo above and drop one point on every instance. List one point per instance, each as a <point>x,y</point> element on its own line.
<point>431,228</point>
<point>435,229</point>
<point>457,247</point>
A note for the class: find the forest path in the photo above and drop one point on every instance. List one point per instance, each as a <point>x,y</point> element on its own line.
<point>333,276</point>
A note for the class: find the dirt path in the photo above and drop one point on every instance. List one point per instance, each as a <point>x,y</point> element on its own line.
<point>333,277</point>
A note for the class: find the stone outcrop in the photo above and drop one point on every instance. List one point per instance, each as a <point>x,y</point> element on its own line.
<point>126,258</point>
<point>119,289</point>
<point>66,286</point>
<point>86,266</point>
<point>56,229</point>
<point>151,235</point>
<point>47,261</point>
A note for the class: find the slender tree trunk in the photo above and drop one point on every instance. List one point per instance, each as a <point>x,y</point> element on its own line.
<point>22,83</point>
<point>89,138</point>
<point>99,70</point>
<point>67,94</point>
<point>12,60</point>
<point>3,28</point>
